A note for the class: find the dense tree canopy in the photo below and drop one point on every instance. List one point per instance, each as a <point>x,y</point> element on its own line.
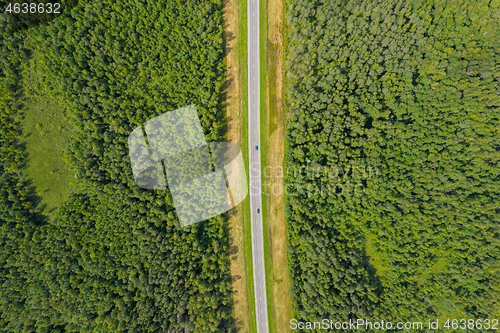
<point>409,89</point>
<point>114,257</point>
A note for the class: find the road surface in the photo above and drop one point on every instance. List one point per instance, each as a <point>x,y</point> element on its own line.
<point>259,274</point>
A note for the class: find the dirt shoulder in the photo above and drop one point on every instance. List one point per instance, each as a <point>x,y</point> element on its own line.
<point>278,281</point>
<point>239,221</point>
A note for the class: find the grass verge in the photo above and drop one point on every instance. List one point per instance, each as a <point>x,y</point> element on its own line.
<point>273,144</point>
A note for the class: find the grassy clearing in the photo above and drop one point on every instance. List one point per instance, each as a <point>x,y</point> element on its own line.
<point>45,134</point>
<point>375,258</point>
<point>46,137</point>
<point>235,16</point>
<point>437,268</point>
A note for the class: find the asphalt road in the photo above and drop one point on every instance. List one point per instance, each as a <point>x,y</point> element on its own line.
<point>259,274</point>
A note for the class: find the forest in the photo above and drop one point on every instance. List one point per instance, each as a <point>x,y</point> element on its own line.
<point>412,89</point>
<point>112,257</point>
